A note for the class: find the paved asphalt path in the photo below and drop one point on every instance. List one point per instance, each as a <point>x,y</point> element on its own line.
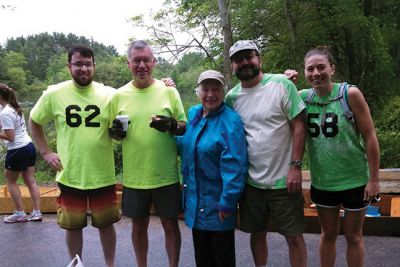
<point>42,244</point>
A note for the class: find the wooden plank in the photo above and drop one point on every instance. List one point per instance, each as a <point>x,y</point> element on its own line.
<point>389,180</point>
<point>395,207</point>
<point>48,200</point>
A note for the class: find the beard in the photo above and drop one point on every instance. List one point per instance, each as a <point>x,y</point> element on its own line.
<point>83,80</point>
<point>247,72</point>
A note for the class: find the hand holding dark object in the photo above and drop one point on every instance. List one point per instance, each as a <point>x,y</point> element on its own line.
<point>163,123</point>
<point>116,131</point>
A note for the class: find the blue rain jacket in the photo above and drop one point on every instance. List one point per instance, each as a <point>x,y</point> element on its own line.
<point>214,167</point>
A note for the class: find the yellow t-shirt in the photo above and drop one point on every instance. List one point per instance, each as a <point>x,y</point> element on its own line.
<point>149,156</point>
<point>81,116</point>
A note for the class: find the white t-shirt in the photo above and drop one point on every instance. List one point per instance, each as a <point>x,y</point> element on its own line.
<point>10,119</point>
<point>266,111</point>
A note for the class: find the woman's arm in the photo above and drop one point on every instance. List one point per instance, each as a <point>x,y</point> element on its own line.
<point>365,125</point>
<point>8,134</point>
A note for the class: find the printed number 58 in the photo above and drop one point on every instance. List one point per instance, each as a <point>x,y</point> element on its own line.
<point>329,128</point>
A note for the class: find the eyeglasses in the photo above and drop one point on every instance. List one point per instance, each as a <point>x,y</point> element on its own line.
<point>80,65</point>
<point>138,61</point>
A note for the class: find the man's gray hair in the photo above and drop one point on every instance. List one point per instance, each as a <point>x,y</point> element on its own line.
<point>139,44</point>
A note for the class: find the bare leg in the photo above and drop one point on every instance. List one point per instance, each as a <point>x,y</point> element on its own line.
<point>30,182</point>
<point>74,242</point>
<point>108,242</point>
<point>297,251</point>
<point>140,240</point>
<point>15,193</point>
<point>352,226</point>
<point>258,245</point>
<point>329,220</point>
<point>172,239</point>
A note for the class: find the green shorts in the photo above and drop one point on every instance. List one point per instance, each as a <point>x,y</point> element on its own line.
<point>72,205</point>
<point>285,209</point>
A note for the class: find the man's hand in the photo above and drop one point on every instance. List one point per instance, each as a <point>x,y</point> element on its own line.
<point>294,180</point>
<point>116,131</point>
<point>163,123</point>
<point>53,160</point>
<point>292,75</point>
<point>168,82</point>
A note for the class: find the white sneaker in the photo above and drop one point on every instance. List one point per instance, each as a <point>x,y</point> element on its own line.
<point>35,216</point>
<point>17,216</point>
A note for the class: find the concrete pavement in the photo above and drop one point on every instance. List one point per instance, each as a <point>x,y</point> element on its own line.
<point>42,244</point>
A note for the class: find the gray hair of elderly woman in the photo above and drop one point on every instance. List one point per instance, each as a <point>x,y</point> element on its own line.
<point>139,44</point>
<point>198,88</point>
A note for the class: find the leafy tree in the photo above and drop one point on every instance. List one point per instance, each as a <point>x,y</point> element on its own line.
<point>114,73</point>
<point>15,75</point>
<point>57,70</point>
<point>163,69</point>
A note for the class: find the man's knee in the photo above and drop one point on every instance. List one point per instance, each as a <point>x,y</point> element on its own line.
<point>170,225</point>
<point>295,241</point>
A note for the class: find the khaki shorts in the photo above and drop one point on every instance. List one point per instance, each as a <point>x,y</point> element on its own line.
<point>286,210</point>
<point>73,204</point>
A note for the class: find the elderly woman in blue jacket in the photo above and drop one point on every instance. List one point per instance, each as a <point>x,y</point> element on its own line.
<point>214,168</point>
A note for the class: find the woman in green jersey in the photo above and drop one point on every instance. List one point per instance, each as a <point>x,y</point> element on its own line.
<point>344,155</point>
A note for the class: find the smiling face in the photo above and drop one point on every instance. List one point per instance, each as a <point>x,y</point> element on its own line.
<point>246,65</point>
<point>318,72</point>
<point>141,63</point>
<point>81,69</point>
<point>211,95</point>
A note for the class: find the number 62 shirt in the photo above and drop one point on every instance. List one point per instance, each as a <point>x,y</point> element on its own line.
<point>81,118</point>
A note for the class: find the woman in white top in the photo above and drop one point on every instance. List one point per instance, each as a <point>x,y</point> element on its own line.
<point>20,157</point>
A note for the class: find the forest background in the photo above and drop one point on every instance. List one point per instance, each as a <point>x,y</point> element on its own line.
<point>190,36</point>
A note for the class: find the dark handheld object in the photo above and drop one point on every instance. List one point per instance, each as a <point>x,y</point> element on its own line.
<point>116,131</point>
<point>377,198</point>
<point>164,123</point>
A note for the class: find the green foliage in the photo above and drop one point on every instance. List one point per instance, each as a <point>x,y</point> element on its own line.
<point>388,131</point>
<point>114,72</point>
<point>57,70</point>
<point>364,37</point>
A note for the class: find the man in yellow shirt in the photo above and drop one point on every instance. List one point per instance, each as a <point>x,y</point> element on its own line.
<point>150,173</point>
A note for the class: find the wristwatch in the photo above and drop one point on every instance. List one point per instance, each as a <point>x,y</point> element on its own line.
<point>296,163</point>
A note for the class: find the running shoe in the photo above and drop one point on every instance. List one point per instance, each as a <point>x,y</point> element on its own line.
<point>17,216</point>
<point>35,216</point>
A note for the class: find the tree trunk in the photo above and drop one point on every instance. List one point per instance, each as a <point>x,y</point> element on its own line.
<point>288,7</point>
<point>228,40</point>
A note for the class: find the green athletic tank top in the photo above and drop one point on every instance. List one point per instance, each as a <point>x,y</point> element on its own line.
<point>336,149</point>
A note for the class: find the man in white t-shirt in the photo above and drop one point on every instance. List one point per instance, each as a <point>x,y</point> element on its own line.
<point>272,114</point>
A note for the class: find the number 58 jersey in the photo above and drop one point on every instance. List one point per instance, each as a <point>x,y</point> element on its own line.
<point>336,149</point>
<point>81,117</point>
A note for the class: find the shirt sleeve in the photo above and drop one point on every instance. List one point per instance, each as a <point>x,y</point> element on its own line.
<point>6,121</point>
<point>292,103</point>
<point>42,113</point>
<point>177,106</point>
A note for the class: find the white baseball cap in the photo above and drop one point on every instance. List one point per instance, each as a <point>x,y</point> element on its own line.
<point>211,74</point>
<point>242,45</point>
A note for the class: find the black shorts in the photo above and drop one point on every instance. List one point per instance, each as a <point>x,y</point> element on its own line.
<point>20,159</point>
<point>350,199</point>
<point>167,201</point>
